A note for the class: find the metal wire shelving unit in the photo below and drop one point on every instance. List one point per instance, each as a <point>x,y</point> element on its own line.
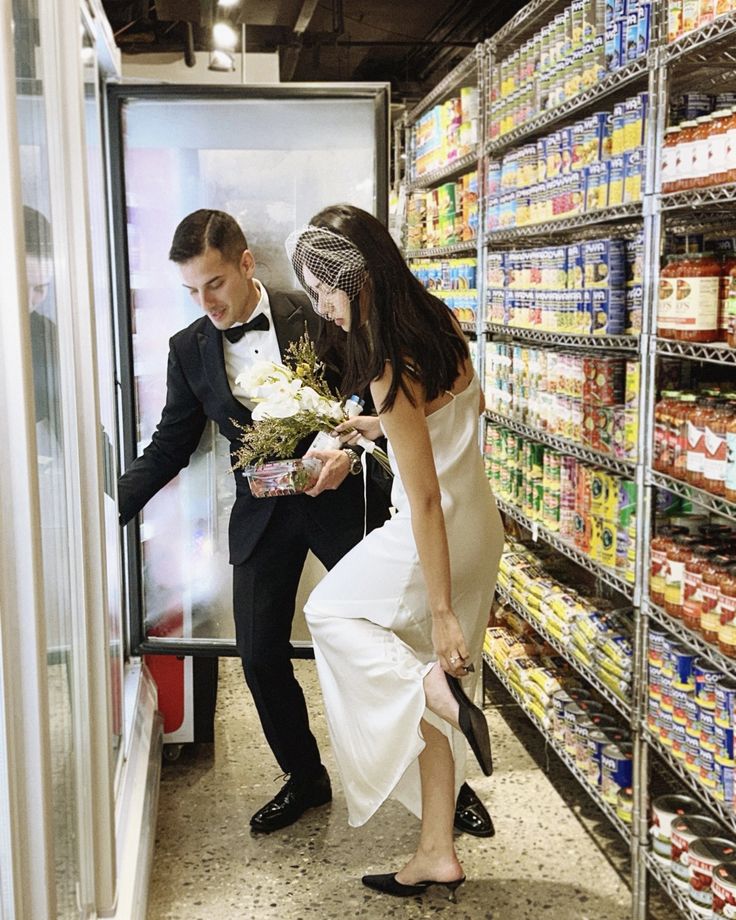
<point>703,61</point>
<point>586,454</point>
<point>623,706</point>
<point>593,791</point>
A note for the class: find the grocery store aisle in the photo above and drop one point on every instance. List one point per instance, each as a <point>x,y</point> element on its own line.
<point>553,854</point>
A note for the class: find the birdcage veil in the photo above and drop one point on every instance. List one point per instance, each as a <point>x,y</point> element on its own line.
<point>330,259</point>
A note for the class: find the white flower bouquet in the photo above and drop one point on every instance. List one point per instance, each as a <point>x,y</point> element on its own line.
<point>292,401</point>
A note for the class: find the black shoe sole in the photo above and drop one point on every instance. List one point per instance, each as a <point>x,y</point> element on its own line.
<point>473,725</point>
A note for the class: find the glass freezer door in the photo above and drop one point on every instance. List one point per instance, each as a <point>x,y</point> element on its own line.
<point>271,157</point>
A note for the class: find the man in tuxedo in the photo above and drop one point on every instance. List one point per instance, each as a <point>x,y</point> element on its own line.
<point>269,538</point>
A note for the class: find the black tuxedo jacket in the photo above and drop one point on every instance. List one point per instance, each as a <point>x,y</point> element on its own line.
<point>198,390</point>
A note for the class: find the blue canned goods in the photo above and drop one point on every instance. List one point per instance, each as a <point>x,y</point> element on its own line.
<point>682,665</point>
<point>706,718</point>
<point>559,700</point>
<point>596,742</point>
<point>723,742</point>
<point>724,781</point>
<point>656,642</point>
<point>692,754</point>
<point>572,713</point>
<point>707,771</point>
<point>616,770</point>
<point>678,741</point>
<point>725,701</point>
<point>691,716</point>
<point>706,678</point>
<point>680,697</point>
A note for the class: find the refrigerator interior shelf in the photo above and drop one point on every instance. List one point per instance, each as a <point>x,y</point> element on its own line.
<point>713,503</point>
<point>718,353</point>
<point>460,165</point>
<point>692,639</point>
<point>592,791</point>
<point>624,467</point>
<point>621,705</point>
<point>617,342</point>
<point>614,81</point>
<point>609,576</point>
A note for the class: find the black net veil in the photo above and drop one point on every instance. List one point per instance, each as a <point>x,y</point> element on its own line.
<point>325,262</point>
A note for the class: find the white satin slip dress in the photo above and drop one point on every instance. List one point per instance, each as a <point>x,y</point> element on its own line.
<point>372,626</point>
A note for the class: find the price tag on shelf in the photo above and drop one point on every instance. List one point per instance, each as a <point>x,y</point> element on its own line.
<point>535,531</point>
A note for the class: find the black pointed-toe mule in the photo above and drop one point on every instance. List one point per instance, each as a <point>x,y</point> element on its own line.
<point>387,884</point>
<point>473,725</point>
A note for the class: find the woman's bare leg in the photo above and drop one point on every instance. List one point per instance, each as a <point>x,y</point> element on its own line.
<point>435,858</point>
<point>439,696</point>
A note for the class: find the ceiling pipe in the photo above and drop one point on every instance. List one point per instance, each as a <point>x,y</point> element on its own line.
<point>190,58</point>
<point>290,56</point>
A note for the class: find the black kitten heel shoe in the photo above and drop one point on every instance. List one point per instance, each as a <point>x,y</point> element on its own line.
<point>473,725</point>
<point>387,884</point>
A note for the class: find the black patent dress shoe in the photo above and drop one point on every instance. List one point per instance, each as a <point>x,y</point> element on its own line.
<point>290,803</point>
<point>471,816</point>
<point>387,884</point>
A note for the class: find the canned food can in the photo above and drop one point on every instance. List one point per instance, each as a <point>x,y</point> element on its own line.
<point>724,890</point>
<point>680,697</point>
<point>724,781</point>
<point>725,701</point>
<point>707,770</point>
<point>679,739</point>
<point>596,741</point>
<point>665,808</point>
<point>704,855</point>
<point>616,770</point>
<point>723,742</point>
<point>682,665</point>
<point>707,721</point>
<point>686,829</point>
<point>706,677</point>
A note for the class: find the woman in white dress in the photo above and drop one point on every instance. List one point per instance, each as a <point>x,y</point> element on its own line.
<point>400,620</point>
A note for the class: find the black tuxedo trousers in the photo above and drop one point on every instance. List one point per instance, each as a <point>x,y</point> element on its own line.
<point>269,538</point>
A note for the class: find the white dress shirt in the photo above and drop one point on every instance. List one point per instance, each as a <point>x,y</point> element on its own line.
<point>257,345</point>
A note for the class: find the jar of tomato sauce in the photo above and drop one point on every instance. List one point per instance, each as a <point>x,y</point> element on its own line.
<point>696,440</point>
<point>712,576</point>
<point>714,463</point>
<point>717,146</point>
<point>678,555</point>
<point>699,166</point>
<point>727,611</point>
<point>692,607</point>
<point>694,313</point>
<point>662,459</point>
<point>679,415</point>
<point>730,154</point>
<point>729,490</point>
<point>658,560</point>
<point>670,147</point>
<point>666,302</point>
<point>684,156</point>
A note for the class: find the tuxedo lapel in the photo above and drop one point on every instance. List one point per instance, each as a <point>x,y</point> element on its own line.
<point>290,319</point>
<point>212,354</point>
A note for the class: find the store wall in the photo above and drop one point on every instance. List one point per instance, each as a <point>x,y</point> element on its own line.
<point>171,68</point>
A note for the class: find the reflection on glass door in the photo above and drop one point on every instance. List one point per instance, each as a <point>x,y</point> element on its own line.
<point>106,375</point>
<point>271,163</point>
<point>52,468</point>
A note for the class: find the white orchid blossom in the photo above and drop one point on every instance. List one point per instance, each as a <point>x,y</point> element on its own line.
<point>261,374</point>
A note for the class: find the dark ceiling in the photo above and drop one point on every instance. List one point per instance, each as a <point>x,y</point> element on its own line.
<point>410,44</point>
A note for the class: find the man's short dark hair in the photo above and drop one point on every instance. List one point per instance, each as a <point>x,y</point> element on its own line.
<point>207,229</point>
<point>37,231</point>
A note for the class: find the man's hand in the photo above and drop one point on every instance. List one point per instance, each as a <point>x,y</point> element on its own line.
<point>335,468</point>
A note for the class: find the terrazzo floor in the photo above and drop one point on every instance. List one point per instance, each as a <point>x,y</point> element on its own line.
<point>554,854</point>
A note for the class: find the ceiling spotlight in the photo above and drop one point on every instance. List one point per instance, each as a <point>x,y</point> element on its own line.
<point>224,36</point>
<point>222,61</point>
<point>227,4</point>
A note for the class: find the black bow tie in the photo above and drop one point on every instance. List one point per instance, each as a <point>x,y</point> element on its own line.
<point>236,333</point>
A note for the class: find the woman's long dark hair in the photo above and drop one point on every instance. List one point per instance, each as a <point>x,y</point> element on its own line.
<point>405,324</point>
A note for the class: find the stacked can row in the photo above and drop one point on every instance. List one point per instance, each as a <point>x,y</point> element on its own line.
<point>596,635</point>
<point>584,397</point>
<point>568,56</point>
<point>590,288</point>
<point>596,163</point>
<point>444,215</point>
<point>697,853</point>
<point>597,743</point>
<point>695,439</point>
<point>445,133</point>
<point>592,510</point>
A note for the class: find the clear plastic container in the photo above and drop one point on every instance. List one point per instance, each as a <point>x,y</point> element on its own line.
<point>283,477</point>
